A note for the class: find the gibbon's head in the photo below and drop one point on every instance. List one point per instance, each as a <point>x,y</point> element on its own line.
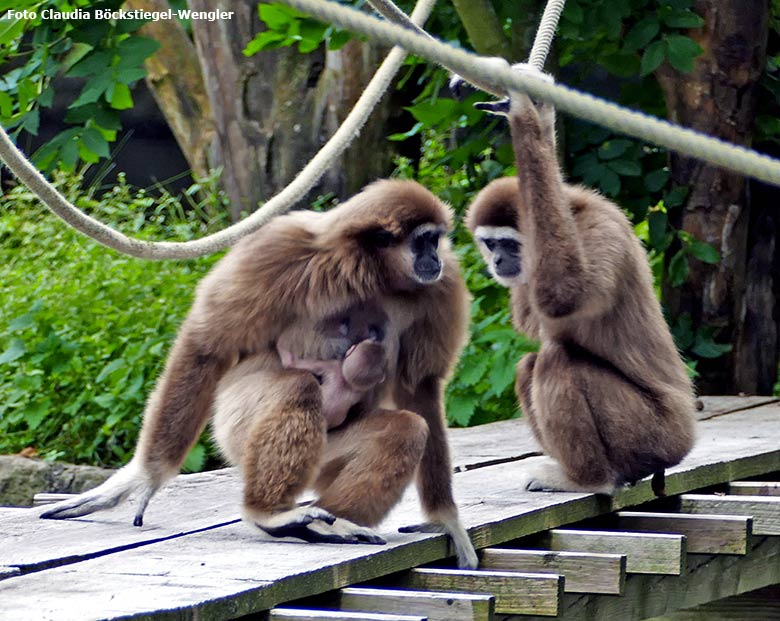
<point>492,219</point>
<point>399,228</point>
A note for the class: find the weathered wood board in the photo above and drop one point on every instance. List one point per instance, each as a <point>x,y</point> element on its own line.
<point>707,578</point>
<point>190,560</point>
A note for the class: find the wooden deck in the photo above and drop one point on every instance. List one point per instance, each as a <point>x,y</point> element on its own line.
<point>193,559</point>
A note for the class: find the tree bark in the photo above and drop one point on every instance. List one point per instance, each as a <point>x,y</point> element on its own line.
<point>274,110</point>
<point>735,296</point>
<point>483,27</point>
<point>176,82</point>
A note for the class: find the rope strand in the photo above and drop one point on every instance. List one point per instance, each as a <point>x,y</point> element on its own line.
<point>582,105</point>
<point>279,204</point>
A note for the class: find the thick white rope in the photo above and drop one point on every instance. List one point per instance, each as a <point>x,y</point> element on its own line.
<point>281,203</point>
<point>502,78</point>
<point>545,33</point>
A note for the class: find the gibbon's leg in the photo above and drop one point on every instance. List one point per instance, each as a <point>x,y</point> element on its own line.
<point>568,428</point>
<point>369,463</point>
<point>176,413</point>
<point>270,424</point>
<point>434,475</point>
<point>523,390</point>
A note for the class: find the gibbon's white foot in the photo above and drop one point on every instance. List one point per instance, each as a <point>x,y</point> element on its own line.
<point>314,525</point>
<point>464,550</point>
<point>544,474</point>
<point>109,494</point>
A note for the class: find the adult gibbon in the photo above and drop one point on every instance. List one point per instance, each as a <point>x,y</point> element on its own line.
<point>385,248</point>
<point>607,396</point>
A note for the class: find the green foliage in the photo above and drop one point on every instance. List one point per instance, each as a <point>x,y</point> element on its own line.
<point>86,330</point>
<point>287,26</point>
<point>106,54</point>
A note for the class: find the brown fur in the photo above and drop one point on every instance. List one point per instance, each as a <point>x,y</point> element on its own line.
<point>607,396</point>
<point>297,271</point>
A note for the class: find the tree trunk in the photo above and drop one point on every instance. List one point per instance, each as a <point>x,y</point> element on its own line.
<point>176,82</point>
<point>274,110</point>
<point>735,296</point>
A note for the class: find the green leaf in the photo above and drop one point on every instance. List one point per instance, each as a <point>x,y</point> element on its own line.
<point>678,269</point>
<point>706,347</point>
<point>625,168</point>
<point>657,222</point>
<point>93,140</point>
<point>676,196</point>
<point>703,251</point>
<point>681,52</point>
<point>652,58</point>
<point>682,331</point>
<point>13,352</point>
<point>34,414</point>
<point>338,39</point>
<point>6,105</point>
<point>94,63</point>
<point>613,148</point>
<point>433,112</point>
<point>93,89</point>
<point>657,179</point>
<point>196,459</point>
<point>264,40</point>
<point>471,373</point>
<point>641,34</point>
<point>610,182</point>
<point>121,99</point>
<point>112,366</point>
<point>460,409</point>
<point>683,19</point>
<point>277,16</point>
<point>134,50</point>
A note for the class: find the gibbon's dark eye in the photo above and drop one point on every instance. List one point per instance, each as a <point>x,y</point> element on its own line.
<point>380,238</point>
<point>490,244</point>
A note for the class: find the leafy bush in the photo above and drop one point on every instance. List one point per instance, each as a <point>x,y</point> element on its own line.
<point>85,330</point>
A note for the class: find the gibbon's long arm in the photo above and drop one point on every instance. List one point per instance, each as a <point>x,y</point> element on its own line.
<point>558,277</point>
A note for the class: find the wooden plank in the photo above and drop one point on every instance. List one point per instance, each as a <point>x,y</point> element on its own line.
<point>583,572</point>
<point>215,573</point>
<point>8,572</point>
<point>758,605</point>
<point>192,504</point>
<point>646,553</point>
<point>765,510</point>
<point>294,614</point>
<point>754,488</point>
<point>705,534</point>
<point>721,405</point>
<point>706,578</point>
<point>515,592</point>
<point>436,606</point>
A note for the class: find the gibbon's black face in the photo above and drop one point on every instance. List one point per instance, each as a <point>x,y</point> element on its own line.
<point>424,244</point>
<point>501,248</point>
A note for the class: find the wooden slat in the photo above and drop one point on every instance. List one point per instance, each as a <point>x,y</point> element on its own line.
<point>583,572</point>
<point>515,592</point>
<point>705,534</point>
<point>764,509</point>
<point>754,488</point>
<point>435,606</point>
<point>758,605</point>
<point>645,553</point>
<point>707,577</point>
<point>293,614</point>
<point>7,572</point>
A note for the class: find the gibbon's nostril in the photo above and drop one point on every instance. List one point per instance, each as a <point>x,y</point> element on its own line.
<point>498,260</point>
